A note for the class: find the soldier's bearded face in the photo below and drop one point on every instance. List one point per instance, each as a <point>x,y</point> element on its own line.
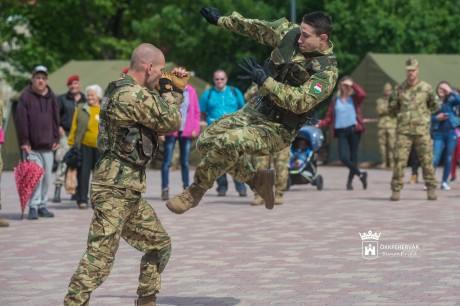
<point>308,40</point>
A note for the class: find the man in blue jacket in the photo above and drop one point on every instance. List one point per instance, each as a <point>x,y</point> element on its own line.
<point>37,123</point>
<point>215,102</point>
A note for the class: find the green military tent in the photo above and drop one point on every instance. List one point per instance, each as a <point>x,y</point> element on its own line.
<point>99,72</point>
<point>375,70</point>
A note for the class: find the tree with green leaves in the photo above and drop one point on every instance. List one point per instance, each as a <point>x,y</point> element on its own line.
<point>53,32</point>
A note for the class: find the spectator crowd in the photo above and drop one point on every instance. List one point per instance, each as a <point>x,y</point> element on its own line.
<point>417,123</point>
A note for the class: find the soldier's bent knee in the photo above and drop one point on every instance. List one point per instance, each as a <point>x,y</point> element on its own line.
<point>163,258</point>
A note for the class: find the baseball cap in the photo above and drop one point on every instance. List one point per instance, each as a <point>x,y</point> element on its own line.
<point>387,86</point>
<point>38,69</point>
<point>411,63</point>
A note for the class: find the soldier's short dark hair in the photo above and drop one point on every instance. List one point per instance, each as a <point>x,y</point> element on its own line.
<point>320,21</point>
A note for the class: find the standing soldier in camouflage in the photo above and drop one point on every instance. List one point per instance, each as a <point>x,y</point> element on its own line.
<point>412,103</point>
<point>280,161</point>
<point>132,115</point>
<point>300,73</point>
<point>386,129</point>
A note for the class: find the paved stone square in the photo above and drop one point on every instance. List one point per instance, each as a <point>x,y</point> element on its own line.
<point>307,251</point>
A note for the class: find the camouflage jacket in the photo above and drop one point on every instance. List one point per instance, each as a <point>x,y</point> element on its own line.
<point>296,99</point>
<point>128,106</point>
<point>412,107</point>
<point>385,120</point>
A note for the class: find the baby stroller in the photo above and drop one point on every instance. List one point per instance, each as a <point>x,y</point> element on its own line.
<point>302,166</point>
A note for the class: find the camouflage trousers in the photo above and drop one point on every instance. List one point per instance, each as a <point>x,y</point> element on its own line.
<point>423,145</point>
<point>280,163</point>
<point>228,144</point>
<point>119,213</point>
<point>387,139</point>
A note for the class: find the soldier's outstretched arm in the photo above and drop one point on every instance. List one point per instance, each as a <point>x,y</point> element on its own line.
<point>264,32</point>
<point>303,98</point>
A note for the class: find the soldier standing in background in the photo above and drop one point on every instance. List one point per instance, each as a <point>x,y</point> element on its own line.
<point>386,129</point>
<point>300,73</point>
<point>412,103</point>
<point>280,161</point>
<point>132,115</point>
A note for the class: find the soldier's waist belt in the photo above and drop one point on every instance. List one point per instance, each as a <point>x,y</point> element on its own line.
<point>112,155</point>
<point>290,120</point>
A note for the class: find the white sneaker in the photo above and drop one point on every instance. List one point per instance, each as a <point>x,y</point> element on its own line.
<point>425,188</point>
<point>444,186</point>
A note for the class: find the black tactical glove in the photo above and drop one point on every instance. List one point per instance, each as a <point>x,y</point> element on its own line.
<point>211,14</point>
<point>255,72</point>
<point>165,86</point>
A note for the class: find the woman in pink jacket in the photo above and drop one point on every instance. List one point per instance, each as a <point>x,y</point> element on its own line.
<point>346,123</point>
<point>189,129</point>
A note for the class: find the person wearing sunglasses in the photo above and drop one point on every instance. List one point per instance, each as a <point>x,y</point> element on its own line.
<point>215,102</point>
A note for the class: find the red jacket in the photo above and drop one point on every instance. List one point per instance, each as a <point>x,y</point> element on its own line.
<point>358,97</point>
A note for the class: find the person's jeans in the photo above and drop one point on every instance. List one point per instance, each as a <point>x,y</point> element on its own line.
<point>348,142</point>
<point>184,148</point>
<point>222,184</point>
<point>440,141</point>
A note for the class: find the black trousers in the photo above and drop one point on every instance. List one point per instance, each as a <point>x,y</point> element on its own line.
<point>348,142</point>
<point>90,156</point>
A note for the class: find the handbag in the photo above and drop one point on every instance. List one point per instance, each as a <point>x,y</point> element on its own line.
<point>71,180</point>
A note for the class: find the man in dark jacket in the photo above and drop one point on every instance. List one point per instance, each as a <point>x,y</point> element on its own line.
<point>37,123</point>
<point>67,103</point>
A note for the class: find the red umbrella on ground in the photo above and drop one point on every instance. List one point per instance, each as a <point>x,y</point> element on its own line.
<point>27,175</point>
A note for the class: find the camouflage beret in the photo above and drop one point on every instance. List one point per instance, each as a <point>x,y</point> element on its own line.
<point>412,63</point>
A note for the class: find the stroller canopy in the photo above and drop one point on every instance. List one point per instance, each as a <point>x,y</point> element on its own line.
<point>313,135</point>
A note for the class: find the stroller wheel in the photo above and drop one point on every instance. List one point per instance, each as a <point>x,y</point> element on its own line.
<point>319,182</point>
<point>288,183</point>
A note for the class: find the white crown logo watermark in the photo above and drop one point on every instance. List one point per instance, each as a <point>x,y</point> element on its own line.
<point>370,245</point>
<point>370,236</point>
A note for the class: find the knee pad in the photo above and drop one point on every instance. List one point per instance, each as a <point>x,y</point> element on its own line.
<point>163,258</point>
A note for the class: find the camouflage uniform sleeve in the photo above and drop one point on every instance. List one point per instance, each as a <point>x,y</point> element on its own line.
<point>251,92</point>
<point>157,113</point>
<point>433,103</point>
<point>301,99</point>
<point>382,107</point>
<point>393,104</point>
<point>264,32</point>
